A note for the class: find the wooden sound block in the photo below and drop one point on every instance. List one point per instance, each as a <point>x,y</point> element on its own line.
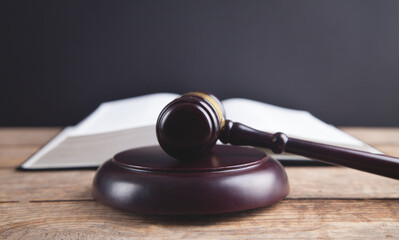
<point>148,181</point>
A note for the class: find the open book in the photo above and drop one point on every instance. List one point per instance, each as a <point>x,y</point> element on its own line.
<point>130,123</point>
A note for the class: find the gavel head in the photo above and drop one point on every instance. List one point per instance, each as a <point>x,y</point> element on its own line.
<point>189,126</point>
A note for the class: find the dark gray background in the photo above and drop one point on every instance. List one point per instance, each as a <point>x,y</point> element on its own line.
<point>336,59</point>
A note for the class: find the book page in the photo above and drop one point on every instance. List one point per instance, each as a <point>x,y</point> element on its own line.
<point>91,150</point>
<point>130,123</point>
<point>124,114</point>
<point>294,123</point>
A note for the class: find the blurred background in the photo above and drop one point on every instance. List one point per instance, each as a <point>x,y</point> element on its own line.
<point>337,59</point>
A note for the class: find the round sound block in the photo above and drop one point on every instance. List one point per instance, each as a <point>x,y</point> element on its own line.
<point>148,181</point>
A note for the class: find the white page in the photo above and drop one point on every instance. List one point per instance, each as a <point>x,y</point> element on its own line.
<point>127,123</point>
<point>64,134</point>
<point>144,110</point>
<point>294,123</point>
<point>124,114</point>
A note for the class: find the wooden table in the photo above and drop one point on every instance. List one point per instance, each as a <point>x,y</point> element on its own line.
<point>325,202</point>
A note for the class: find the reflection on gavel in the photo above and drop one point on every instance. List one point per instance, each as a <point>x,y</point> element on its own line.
<point>189,126</point>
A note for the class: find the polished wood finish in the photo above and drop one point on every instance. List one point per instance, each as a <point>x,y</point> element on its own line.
<point>229,179</point>
<point>189,126</point>
<point>240,134</point>
<point>324,202</point>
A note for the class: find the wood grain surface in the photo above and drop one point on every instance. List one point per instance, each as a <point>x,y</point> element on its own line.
<point>324,202</point>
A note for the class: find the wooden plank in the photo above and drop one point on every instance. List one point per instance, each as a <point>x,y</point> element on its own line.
<point>13,156</point>
<point>375,135</point>
<point>289,219</point>
<point>390,150</point>
<point>325,202</point>
<point>384,139</point>
<point>305,182</point>
<point>313,182</point>
<point>45,185</point>
<point>20,136</point>
<point>339,182</point>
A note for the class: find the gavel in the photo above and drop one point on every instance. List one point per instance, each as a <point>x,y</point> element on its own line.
<point>189,127</point>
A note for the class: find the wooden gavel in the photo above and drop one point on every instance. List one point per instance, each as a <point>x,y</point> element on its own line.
<point>189,126</point>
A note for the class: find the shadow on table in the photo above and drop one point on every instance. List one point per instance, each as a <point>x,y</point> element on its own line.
<point>203,220</point>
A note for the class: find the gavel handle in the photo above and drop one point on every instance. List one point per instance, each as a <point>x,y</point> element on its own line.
<point>239,134</point>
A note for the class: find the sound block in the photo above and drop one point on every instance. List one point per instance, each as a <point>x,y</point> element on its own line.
<point>148,181</point>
